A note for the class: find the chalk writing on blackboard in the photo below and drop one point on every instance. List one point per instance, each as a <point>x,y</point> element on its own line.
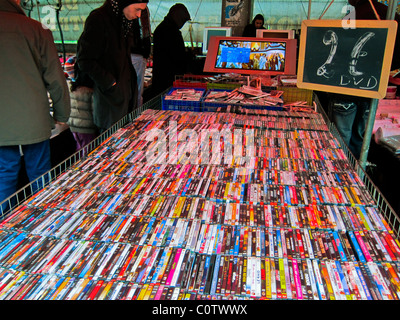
<point>349,61</point>
<point>357,52</point>
<point>330,38</point>
<point>342,65</point>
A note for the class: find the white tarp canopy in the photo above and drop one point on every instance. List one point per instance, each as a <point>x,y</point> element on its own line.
<point>278,14</point>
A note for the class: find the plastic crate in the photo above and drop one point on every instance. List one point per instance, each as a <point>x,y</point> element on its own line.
<point>293,94</point>
<point>213,106</point>
<point>182,105</point>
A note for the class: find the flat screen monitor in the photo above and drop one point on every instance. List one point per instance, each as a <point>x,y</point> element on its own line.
<point>267,33</point>
<point>214,31</point>
<point>251,56</point>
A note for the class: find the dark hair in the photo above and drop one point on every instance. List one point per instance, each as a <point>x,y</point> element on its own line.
<point>258,17</point>
<point>125,3</point>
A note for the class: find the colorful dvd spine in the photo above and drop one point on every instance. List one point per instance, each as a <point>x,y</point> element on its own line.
<point>337,284</point>
<point>356,246</point>
<point>359,237</point>
<point>370,282</point>
<point>312,279</point>
<point>299,292</point>
<point>343,280</point>
<point>362,282</point>
<point>381,284</point>
<point>327,282</point>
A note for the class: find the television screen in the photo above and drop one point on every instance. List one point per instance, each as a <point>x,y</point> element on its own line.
<point>267,33</point>
<point>214,31</point>
<point>251,55</point>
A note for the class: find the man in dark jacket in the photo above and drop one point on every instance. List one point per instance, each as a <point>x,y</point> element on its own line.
<point>30,70</point>
<point>103,60</point>
<point>169,53</point>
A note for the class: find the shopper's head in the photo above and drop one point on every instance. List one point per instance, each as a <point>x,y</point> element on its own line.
<point>132,9</point>
<point>179,14</point>
<point>258,21</point>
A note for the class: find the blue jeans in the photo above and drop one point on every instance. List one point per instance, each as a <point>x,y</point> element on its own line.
<point>37,162</point>
<point>350,118</point>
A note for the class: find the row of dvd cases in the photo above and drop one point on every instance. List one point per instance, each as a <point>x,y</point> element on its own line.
<point>141,217</point>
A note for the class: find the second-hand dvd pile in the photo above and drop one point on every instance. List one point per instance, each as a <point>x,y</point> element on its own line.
<point>213,205</point>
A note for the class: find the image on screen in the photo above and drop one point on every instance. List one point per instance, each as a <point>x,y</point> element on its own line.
<point>251,55</point>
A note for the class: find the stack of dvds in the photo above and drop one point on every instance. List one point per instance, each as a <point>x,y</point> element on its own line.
<point>185,99</point>
<point>244,96</point>
<point>142,218</point>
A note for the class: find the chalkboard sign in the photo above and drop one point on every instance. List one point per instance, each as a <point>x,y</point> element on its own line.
<point>354,61</point>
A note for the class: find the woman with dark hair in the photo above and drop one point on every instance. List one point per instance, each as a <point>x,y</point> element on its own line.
<point>251,29</point>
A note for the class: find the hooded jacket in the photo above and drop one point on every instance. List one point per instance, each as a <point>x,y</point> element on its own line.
<point>30,70</point>
<point>103,56</point>
<point>169,53</point>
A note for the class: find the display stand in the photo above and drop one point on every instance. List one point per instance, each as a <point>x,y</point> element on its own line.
<point>122,223</point>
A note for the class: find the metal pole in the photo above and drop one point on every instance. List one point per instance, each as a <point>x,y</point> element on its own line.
<point>309,10</point>
<point>323,13</point>
<point>373,105</point>
<point>391,12</point>
<point>368,133</point>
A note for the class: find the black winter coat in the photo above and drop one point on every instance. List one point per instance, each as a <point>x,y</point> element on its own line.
<point>103,54</point>
<point>169,55</point>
